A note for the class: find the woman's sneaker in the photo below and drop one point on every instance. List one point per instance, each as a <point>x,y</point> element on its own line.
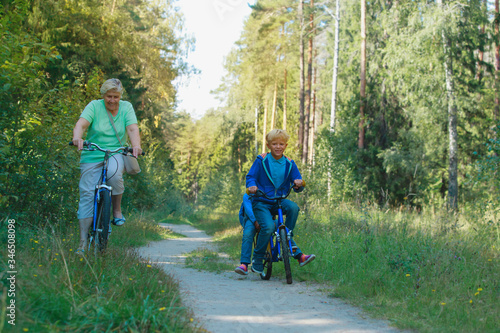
<point>242,269</point>
<point>304,260</point>
<point>118,221</point>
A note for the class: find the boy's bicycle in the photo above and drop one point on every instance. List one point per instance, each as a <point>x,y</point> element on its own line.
<point>279,247</point>
<point>99,233</point>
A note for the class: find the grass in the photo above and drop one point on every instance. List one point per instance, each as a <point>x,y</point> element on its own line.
<point>204,259</point>
<point>427,271</point>
<point>58,291</point>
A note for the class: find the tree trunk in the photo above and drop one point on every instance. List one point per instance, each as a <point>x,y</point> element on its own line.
<point>312,122</point>
<point>301,80</point>
<point>497,64</point>
<point>264,129</point>
<point>256,129</point>
<point>480,56</point>
<point>335,68</point>
<point>452,132</point>
<point>361,137</point>
<point>336,17</point>
<point>284,101</point>
<point>452,124</point>
<point>275,99</point>
<point>305,152</point>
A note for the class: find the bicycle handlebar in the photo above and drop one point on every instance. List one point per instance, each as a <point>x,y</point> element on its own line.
<point>90,146</point>
<point>260,193</point>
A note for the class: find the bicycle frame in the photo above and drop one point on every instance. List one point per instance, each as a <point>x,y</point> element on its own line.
<point>102,187</point>
<point>277,241</point>
<point>101,184</point>
<point>279,224</point>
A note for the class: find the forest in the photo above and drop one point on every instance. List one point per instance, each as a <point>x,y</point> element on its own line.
<point>393,110</point>
<point>394,103</point>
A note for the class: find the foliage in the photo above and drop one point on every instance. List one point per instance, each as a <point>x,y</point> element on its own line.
<point>53,65</point>
<point>487,165</point>
<point>35,119</point>
<point>406,155</point>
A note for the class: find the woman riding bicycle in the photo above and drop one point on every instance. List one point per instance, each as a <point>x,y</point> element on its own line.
<point>95,119</point>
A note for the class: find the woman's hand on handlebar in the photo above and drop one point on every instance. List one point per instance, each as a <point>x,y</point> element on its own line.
<point>136,151</point>
<point>78,143</point>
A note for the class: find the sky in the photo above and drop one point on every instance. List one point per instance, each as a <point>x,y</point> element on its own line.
<point>216,25</point>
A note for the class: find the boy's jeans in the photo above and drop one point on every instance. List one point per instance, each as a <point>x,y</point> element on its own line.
<point>247,242</point>
<point>264,214</point>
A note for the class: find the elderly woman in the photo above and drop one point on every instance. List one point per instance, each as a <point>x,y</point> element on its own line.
<point>95,120</point>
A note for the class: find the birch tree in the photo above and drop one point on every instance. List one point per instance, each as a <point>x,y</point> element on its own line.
<point>336,17</point>
<point>301,79</point>
<point>362,91</point>
<point>307,114</point>
<point>452,121</point>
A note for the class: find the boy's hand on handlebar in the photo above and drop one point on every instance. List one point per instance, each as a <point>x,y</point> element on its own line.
<point>252,189</point>
<point>298,183</point>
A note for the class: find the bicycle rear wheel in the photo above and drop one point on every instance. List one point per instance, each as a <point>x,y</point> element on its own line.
<point>285,254</point>
<point>268,264</point>
<point>102,220</point>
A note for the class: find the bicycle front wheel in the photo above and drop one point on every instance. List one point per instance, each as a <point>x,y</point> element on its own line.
<point>285,254</point>
<point>103,219</point>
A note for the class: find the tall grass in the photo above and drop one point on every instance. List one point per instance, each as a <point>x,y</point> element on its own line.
<point>59,291</point>
<point>428,271</point>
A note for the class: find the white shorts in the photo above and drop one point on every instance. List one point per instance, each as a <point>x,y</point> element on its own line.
<point>89,176</point>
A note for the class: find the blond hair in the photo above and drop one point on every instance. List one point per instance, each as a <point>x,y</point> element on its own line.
<point>277,133</point>
<point>112,84</point>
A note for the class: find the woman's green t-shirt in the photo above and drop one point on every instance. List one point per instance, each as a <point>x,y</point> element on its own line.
<point>100,130</point>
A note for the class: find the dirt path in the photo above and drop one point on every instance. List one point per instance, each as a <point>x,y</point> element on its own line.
<point>229,302</point>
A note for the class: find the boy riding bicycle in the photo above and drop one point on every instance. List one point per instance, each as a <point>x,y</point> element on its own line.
<point>273,173</point>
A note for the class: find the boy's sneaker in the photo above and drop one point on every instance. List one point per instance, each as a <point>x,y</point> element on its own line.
<point>242,269</point>
<point>304,260</point>
<point>258,268</point>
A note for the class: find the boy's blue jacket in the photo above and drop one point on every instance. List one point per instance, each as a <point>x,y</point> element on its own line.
<point>260,176</point>
<point>246,211</point>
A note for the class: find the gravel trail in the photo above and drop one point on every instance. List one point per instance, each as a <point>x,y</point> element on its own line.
<point>229,302</point>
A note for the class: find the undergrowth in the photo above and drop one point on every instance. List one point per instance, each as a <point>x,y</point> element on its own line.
<point>58,291</point>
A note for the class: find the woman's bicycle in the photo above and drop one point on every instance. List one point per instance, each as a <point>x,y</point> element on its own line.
<point>99,233</point>
<point>279,247</point>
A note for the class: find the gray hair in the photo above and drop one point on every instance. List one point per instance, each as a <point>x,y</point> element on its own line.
<point>112,84</point>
